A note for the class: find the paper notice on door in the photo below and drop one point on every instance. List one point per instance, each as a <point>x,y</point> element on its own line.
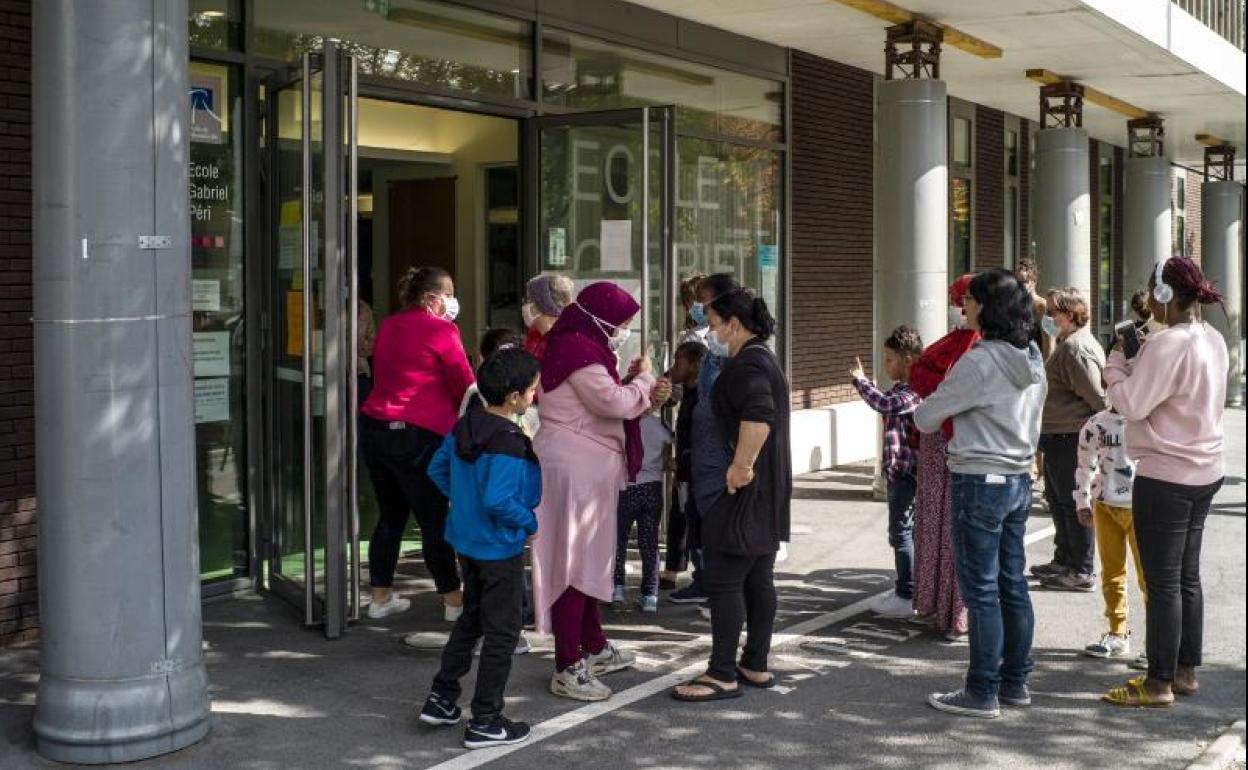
<point>615,240</point>
<point>558,256</point>
<point>212,400</point>
<point>294,324</point>
<point>211,353</point>
<point>205,295</point>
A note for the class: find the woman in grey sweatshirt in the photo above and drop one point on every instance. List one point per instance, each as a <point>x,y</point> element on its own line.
<point>994,395</point>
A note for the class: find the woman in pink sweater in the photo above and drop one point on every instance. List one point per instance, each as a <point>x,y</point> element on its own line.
<point>1172,395</point>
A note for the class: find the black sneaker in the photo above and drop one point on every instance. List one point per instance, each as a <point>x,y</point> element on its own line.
<point>1047,570</point>
<point>965,704</point>
<point>1070,581</point>
<point>495,731</point>
<point>1016,695</point>
<point>440,711</point>
<point>690,594</point>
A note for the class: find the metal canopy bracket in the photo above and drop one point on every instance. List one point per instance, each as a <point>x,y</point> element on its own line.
<point>912,51</point>
<point>1061,105</point>
<point>1146,137</point>
<point>1220,163</point>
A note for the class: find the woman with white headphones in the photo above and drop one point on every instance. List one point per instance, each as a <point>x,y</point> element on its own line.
<point>1172,393</point>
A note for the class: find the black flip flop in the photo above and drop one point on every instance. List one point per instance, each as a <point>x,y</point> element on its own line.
<point>718,692</point>
<point>745,680</point>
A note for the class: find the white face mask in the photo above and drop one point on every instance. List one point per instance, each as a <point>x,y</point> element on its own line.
<point>617,340</point>
<point>717,348</point>
<point>450,308</point>
<point>529,314</point>
<point>956,317</point>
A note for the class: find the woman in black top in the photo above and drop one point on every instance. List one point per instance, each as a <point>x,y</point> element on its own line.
<point>742,530</point>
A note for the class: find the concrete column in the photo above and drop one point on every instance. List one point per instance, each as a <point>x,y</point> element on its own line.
<point>1146,233</point>
<point>1063,210</point>
<point>1221,256</point>
<point>911,210</point>
<point>122,674</point>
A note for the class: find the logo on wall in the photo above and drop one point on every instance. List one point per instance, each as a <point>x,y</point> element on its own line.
<point>206,122</point>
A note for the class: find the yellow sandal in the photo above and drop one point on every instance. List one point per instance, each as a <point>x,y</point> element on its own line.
<point>1135,695</point>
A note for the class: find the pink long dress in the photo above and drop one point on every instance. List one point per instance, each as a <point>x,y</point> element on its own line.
<point>581,447</point>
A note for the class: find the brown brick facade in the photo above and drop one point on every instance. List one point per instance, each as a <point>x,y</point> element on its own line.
<point>989,188</point>
<point>19,614</point>
<point>832,233</point>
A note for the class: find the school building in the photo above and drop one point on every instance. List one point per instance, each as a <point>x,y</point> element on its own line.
<point>196,195</point>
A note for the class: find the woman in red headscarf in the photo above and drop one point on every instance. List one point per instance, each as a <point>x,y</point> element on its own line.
<point>936,596</point>
<point>589,445</point>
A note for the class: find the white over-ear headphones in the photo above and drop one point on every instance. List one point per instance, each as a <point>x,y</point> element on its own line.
<point>1161,290</point>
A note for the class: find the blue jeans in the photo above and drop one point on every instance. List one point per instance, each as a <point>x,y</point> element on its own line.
<point>989,525</point>
<point>901,532</point>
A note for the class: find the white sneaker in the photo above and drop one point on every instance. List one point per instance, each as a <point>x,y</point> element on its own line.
<point>1141,662</point>
<point>1109,646</point>
<point>452,613</point>
<point>893,606</point>
<point>578,683</point>
<point>705,611</point>
<point>611,659</point>
<point>392,606</point>
<point>782,553</point>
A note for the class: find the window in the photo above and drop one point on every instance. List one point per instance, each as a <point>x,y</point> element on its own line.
<point>214,24</point>
<point>587,73</point>
<point>960,232</point>
<point>961,141</point>
<point>216,208</point>
<point>1013,181</point>
<point>430,43</point>
<point>1180,246</point>
<point>961,187</point>
<point>1011,154</point>
<point>1011,227</point>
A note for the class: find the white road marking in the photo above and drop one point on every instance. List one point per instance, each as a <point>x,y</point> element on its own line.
<point>579,716</point>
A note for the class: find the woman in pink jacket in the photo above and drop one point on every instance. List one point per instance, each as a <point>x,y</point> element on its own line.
<point>589,445</point>
<point>1172,394</point>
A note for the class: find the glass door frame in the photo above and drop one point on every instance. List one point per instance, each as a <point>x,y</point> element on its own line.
<point>339,601</point>
<point>664,117</point>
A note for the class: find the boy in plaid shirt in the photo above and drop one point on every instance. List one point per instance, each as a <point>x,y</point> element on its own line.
<point>899,463</point>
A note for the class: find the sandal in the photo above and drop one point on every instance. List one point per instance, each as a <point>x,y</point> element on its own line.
<point>767,684</point>
<point>718,691</point>
<point>1134,695</point>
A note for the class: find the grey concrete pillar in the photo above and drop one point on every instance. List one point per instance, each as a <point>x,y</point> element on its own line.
<point>121,668</point>
<point>1221,256</point>
<point>1146,231</point>
<point>911,210</point>
<point>1063,210</point>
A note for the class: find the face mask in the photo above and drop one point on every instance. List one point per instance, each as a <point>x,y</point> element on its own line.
<point>617,340</point>
<point>697,311</point>
<point>955,317</point>
<point>450,308</point>
<point>716,347</point>
<point>529,314</point>
<point>1049,326</point>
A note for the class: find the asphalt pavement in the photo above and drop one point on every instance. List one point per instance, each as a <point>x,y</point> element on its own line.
<point>851,692</point>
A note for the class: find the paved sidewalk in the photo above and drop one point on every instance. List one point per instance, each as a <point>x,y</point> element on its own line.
<point>851,694</point>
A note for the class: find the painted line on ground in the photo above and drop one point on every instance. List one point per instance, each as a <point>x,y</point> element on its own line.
<point>579,716</point>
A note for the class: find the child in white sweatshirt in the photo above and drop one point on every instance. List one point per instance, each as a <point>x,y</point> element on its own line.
<point>1103,479</point>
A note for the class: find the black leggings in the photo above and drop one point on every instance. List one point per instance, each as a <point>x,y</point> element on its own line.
<point>742,589</point>
<point>1169,527</point>
<point>398,464</point>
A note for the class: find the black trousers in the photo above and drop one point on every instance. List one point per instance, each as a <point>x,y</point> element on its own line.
<point>741,589</point>
<point>676,560</point>
<point>1169,527</point>
<point>1074,544</point>
<point>493,595</point>
<point>398,464</point>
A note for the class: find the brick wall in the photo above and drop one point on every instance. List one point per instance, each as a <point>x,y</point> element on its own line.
<point>989,188</point>
<point>18,606</point>
<point>832,231</point>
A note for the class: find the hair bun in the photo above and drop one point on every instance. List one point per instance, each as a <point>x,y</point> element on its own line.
<point>1207,293</point>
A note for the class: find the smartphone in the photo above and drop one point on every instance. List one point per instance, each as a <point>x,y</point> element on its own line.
<point>1130,337</point>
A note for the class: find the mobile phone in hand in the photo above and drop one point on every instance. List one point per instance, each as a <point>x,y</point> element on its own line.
<point>1130,337</point>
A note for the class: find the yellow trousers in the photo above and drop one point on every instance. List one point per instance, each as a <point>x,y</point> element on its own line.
<point>1115,532</point>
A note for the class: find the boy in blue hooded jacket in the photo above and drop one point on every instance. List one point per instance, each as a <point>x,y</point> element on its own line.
<point>486,467</point>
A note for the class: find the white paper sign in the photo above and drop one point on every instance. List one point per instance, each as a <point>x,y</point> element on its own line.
<point>212,400</point>
<point>558,256</point>
<point>205,295</point>
<point>616,243</point>
<point>211,353</point>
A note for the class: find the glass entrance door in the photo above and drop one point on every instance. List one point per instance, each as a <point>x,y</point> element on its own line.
<point>312,523</point>
<point>601,197</point>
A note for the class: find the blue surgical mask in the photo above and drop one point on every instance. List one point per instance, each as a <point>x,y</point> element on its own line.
<point>1048,326</point>
<point>697,311</point>
<point>716,347</point>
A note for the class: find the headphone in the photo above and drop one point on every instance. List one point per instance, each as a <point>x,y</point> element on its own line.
<point>1162,292</point>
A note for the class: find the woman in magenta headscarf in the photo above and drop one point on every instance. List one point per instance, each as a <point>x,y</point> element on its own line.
<point>589,445</point>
